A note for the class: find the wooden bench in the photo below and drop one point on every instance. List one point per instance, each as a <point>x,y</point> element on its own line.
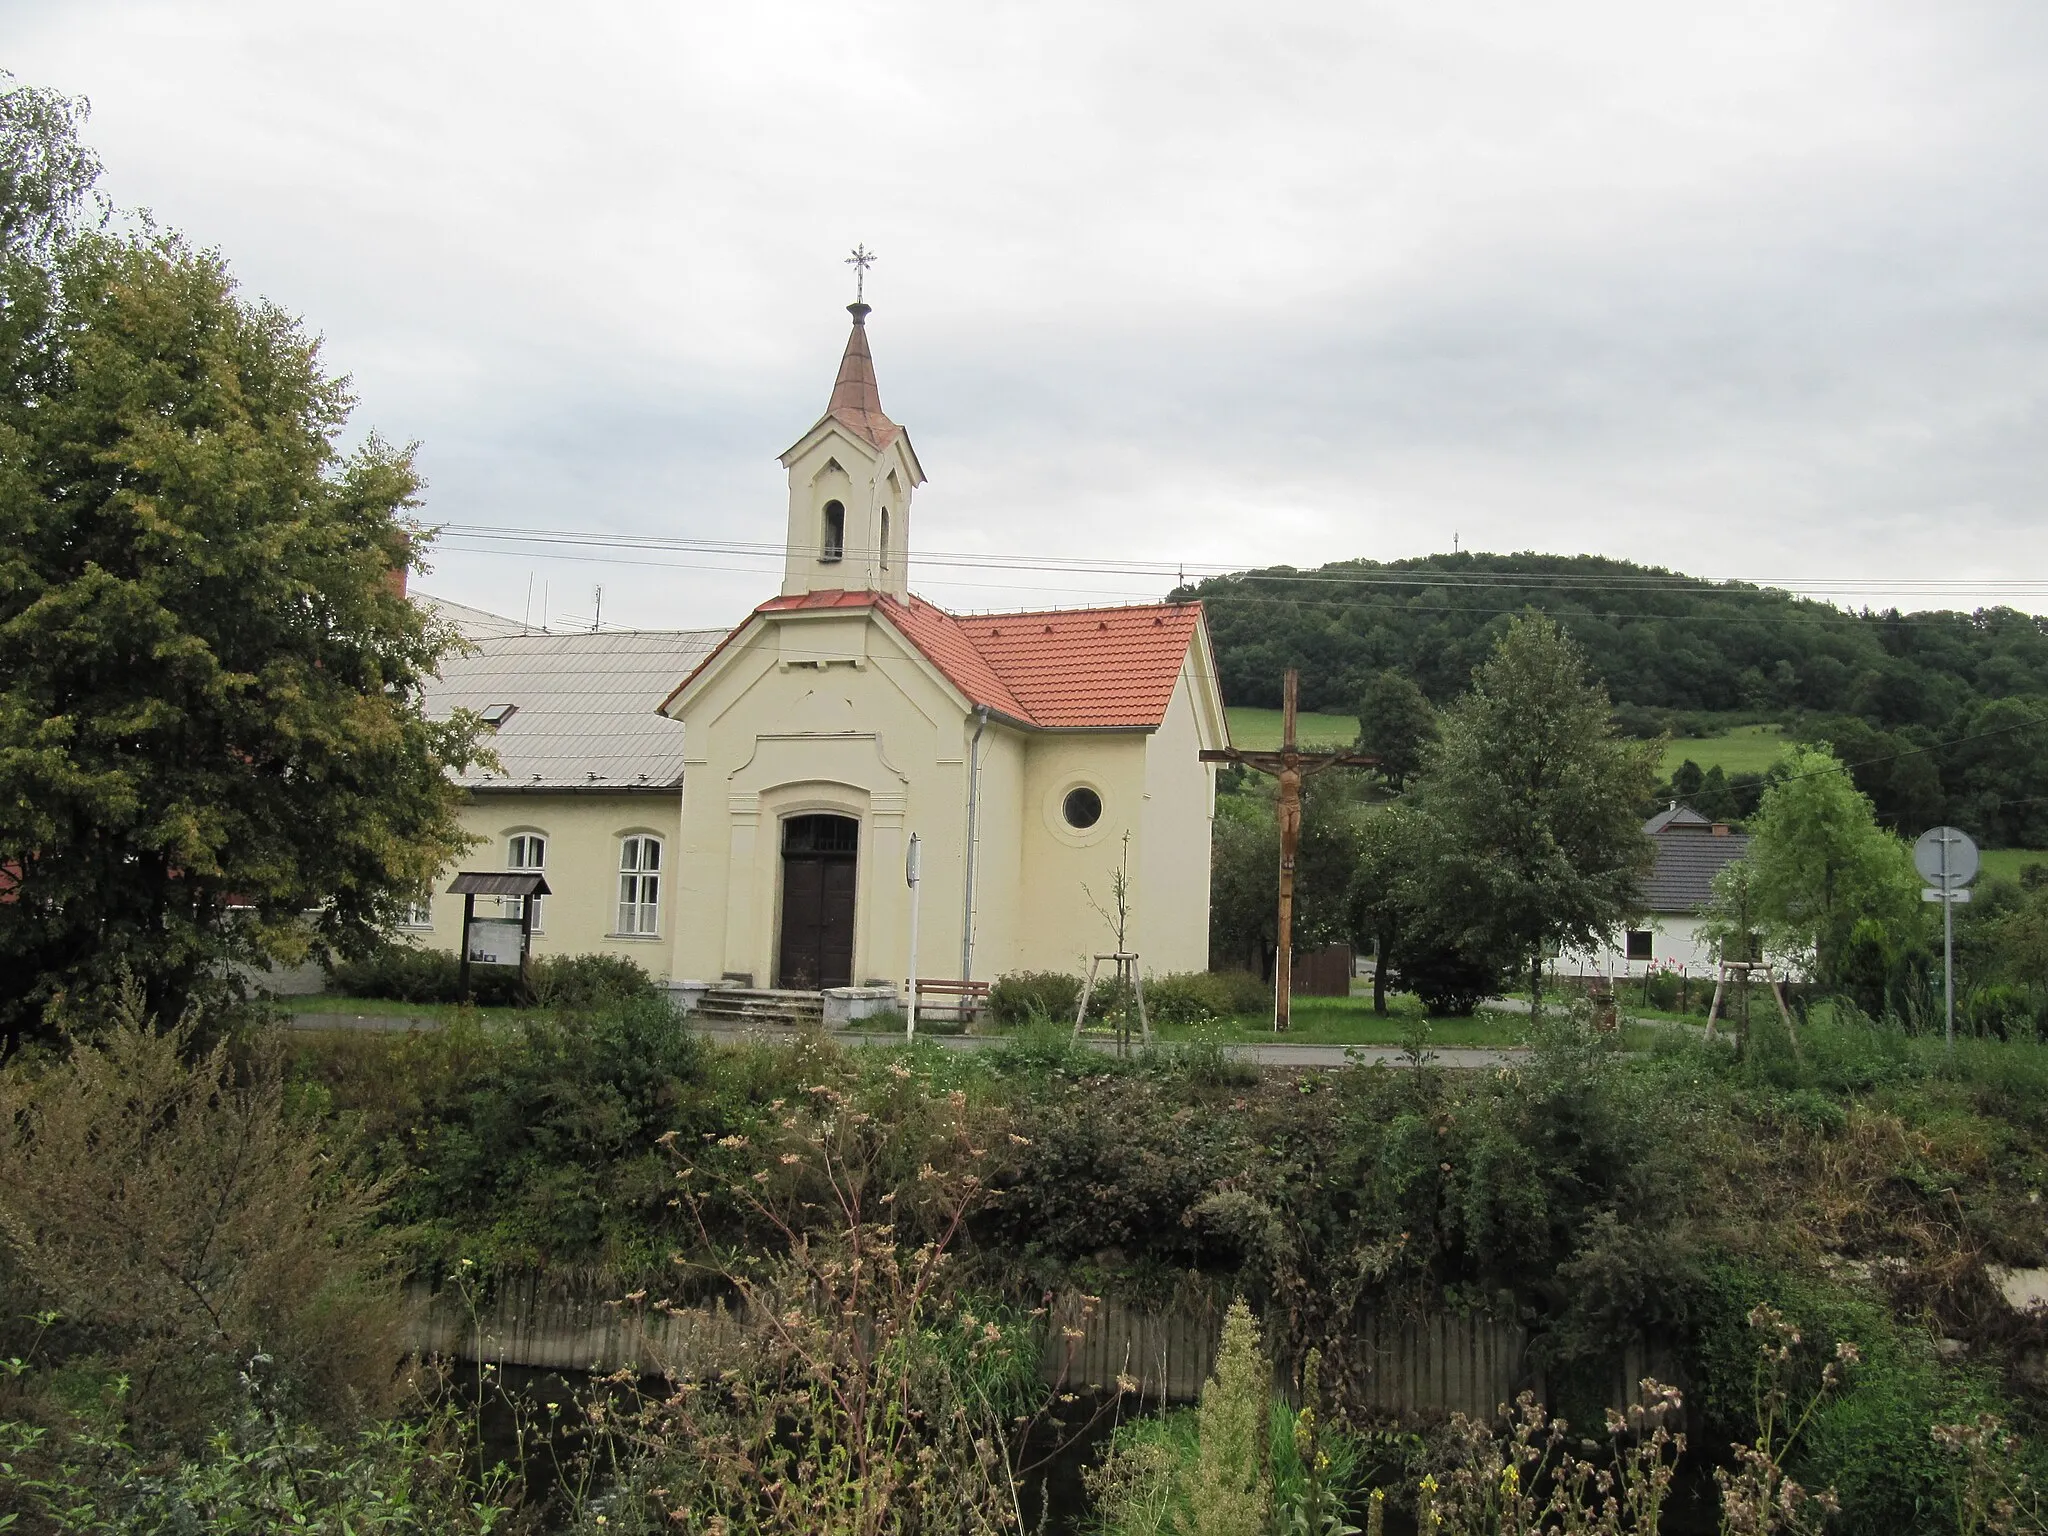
<point>961,1001</point>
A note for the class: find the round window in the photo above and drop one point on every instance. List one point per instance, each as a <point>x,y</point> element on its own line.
<point>1082,808</point>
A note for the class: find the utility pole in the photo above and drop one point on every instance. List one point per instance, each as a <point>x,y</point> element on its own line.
<point>1290,765</point>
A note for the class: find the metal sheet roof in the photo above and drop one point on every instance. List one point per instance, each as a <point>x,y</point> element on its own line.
<point>587,704</point>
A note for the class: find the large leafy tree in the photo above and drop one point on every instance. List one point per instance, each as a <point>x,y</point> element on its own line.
<point>1821,863</point>
<point>212,747</point>
<point>1531,807</point>
<point>1396,723</point>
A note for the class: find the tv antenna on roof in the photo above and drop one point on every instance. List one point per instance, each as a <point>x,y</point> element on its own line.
<point>861,259</point>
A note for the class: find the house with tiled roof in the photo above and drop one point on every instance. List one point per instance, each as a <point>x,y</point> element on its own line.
<point>1691,851</point>
<point>1028,753</point>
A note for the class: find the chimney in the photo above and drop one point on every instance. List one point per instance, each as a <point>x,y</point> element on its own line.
<point>1720,829</point>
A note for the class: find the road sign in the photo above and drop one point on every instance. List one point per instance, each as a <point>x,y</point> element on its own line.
<point>1947,859</point>
<point>1945,856</point>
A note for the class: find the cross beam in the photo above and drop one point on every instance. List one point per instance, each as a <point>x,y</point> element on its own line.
<point>1290,765</point>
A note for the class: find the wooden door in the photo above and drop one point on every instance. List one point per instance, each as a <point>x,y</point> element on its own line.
<point>820,859</point>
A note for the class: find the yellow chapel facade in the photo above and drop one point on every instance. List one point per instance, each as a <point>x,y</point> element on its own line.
<point>1022,750</point>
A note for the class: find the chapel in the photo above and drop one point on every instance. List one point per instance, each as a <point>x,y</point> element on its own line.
<point>1033,755</point>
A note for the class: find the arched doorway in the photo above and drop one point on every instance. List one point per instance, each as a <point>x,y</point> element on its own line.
<point>820,855</point>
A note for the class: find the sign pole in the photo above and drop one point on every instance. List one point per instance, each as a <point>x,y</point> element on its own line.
<point>1948,946</point>
<point>468,917</point>
<point>1947,857</point>
<point>910,876</point>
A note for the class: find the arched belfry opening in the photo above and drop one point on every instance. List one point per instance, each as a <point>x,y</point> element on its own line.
<point>820,865</point>
<point>832,531</point>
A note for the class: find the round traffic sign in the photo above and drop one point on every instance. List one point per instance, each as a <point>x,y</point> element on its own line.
<point>1945,857</point>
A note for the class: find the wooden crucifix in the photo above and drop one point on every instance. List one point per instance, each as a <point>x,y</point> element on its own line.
<point>1290,765</point>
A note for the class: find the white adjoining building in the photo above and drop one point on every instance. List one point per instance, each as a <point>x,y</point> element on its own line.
<point>1691,851</point>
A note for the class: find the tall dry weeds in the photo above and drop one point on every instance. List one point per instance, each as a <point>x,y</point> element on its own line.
<point>185,1223</point>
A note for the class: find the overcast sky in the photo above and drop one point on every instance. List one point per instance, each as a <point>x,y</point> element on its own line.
<point>1752,290</point>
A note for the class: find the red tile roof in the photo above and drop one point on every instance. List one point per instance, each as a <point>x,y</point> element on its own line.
<point>1068,669</point>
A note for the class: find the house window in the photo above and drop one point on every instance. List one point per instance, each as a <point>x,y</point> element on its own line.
<point>640,885</point>
<point>421,913</point>
<point>833,543</point>
<point>524,851</point>
<point>1082,808</point>
<point>1639,943</point>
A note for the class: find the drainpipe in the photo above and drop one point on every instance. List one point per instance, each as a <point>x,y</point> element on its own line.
<point>973,842</point>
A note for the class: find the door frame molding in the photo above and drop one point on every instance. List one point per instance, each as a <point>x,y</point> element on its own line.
<point>791,775</point>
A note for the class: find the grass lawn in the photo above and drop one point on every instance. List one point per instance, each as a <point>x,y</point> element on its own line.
<point>1746,749</point>
<point>1259,729</point>
<point>2006,863</point>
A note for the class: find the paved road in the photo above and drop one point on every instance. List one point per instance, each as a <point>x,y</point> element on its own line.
<point>1264,1055</point>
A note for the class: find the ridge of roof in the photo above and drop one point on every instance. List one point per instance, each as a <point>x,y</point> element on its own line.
<point>1677,814</point>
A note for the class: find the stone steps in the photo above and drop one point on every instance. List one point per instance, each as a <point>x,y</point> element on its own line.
<point>765,1007</point>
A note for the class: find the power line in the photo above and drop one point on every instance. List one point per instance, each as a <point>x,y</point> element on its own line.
<point>1639,580</point>
<point>1834,617</point>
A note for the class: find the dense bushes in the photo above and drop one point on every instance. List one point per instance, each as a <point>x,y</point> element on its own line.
<point>178,1221</point>
<point>1025,997</point>
<point>1194,997</point>
<point>1594,1198</point>
<point>526,1145</point>
<point>1179,997</point>
<point>405,974</point>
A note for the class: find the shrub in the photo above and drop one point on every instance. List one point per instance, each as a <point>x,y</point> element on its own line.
<point>589,981</point>
<point>534,1142</point>
<point>1195,997</point>
<point>180,1215</point>
<point>1233,1482</point>
<point>2006,1011</point>
<point>1024,996</point>
<point>405,974</point>
<point>1450,982</point>
<point>400,972</point>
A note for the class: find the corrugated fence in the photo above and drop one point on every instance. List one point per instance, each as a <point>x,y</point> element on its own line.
<point>1394,1364</point>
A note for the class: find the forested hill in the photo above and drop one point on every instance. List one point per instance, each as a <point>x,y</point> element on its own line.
<point>1660,639</point>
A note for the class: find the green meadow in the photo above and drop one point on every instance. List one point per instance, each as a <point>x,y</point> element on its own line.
<point>2006,863</point>
<point>1746,749</point>
<point>1259,729</point>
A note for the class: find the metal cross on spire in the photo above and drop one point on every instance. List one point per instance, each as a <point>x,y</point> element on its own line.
<point>861,259</point>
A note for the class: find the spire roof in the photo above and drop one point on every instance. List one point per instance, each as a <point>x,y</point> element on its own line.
<point>856,397</point>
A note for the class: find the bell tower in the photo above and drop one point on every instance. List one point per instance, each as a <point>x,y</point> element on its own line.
<point>851,478</point>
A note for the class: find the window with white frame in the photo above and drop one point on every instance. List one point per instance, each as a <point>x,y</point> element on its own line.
<point>421,913</point>
<point>524,851</point>
<point>639,885</point>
